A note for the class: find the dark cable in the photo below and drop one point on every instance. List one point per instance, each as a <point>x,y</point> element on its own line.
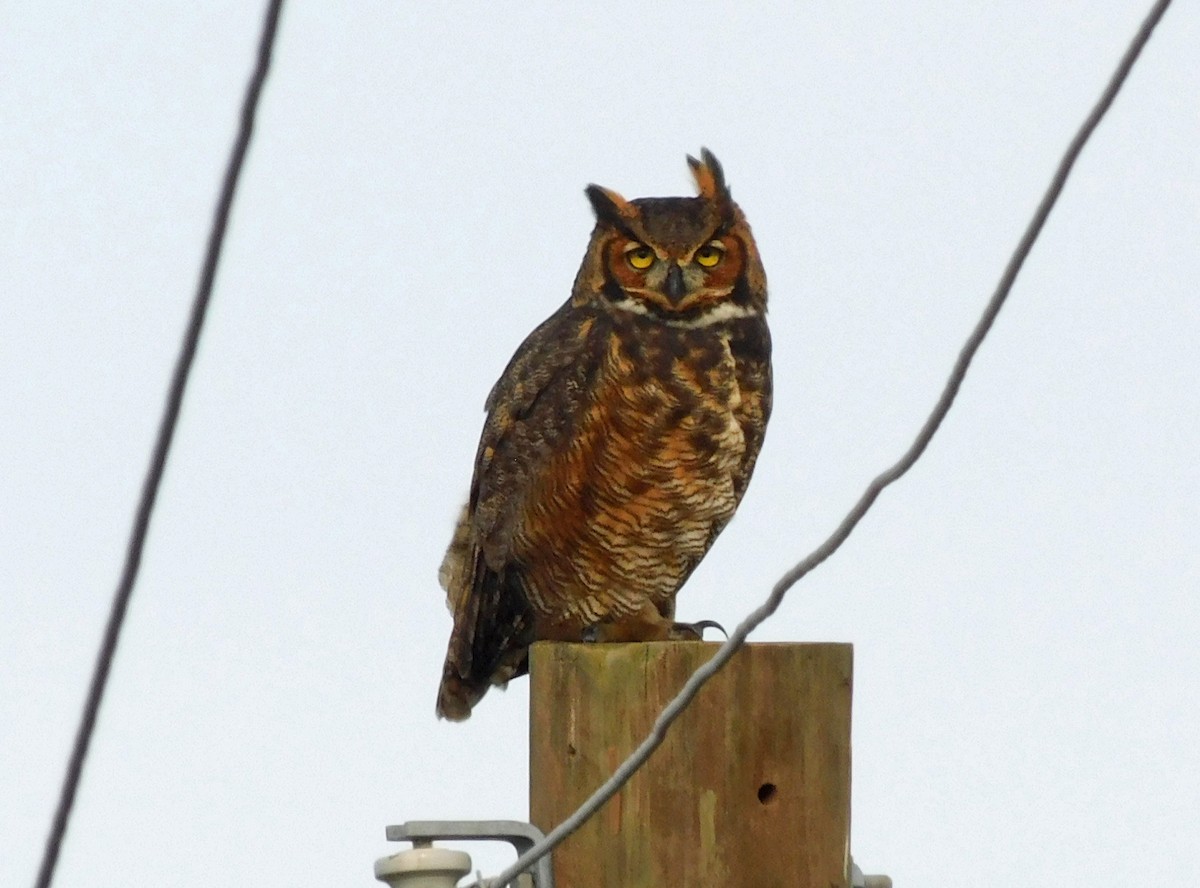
<point>158,458</point>
<point>677,705</point>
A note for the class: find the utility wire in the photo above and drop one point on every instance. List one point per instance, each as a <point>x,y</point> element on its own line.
<point>158,458</point>
<point>673,709</point>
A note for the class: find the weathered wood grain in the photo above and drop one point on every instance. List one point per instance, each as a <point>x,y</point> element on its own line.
<point>750,789</point>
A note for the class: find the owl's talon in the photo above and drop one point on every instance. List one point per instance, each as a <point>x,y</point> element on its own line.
<point>710,624</point>
<point>590,634</point>
<point>695,631</point>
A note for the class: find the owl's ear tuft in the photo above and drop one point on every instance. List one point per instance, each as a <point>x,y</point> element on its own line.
<point>710,178</point>
<point>609,206</point>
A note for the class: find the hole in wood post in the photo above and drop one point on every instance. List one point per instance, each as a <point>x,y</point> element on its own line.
<point>766,793</point>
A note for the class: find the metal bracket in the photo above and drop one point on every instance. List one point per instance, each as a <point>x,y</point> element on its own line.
<point>517,833</point>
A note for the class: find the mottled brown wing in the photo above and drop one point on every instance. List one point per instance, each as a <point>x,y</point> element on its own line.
<point>531,412</point>
<point>750,345</point>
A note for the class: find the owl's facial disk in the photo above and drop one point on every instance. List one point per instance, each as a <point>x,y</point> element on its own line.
<point>679,280</point>
<point>687,261</point>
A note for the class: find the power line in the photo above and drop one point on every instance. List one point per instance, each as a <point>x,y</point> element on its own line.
<point>158,457</point>
<point>760,614</point>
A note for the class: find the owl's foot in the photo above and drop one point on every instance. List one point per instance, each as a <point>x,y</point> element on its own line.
<point>648,624</point>
<point>694,631</point>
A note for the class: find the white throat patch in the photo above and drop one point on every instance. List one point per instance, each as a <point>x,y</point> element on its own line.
<point>724,311</point>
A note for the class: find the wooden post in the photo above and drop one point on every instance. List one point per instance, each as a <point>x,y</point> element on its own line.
<point>751,788</point>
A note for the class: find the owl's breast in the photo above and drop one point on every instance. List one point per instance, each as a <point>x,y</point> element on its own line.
<point>630,504</point>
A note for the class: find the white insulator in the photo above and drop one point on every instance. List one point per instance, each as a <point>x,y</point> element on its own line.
<point>859,880</point>
<point>423,867</point>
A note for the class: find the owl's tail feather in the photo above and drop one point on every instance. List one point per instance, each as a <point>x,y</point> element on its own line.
<point>462,684</point>
<point>489,644</point>
<point>458,694</point>
<point>456,698</point>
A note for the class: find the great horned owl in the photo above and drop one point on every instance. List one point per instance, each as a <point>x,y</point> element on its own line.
<point>618,442</point>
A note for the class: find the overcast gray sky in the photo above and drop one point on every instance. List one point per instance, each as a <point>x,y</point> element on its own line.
<point>1023,606</point>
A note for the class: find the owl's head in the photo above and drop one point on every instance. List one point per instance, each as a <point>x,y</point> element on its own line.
<point>685,260</point>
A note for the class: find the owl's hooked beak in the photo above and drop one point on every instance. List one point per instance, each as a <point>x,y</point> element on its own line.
<point>674,287</point>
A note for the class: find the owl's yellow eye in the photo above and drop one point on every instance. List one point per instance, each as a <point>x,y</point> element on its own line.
<point>708,255</point>
<point>640,258</point>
